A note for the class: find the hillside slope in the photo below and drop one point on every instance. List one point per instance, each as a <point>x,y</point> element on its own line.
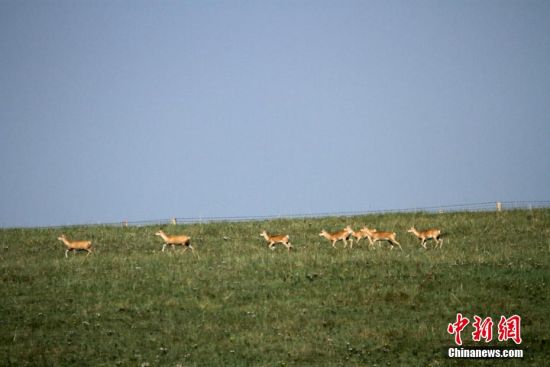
<point>234,302</point>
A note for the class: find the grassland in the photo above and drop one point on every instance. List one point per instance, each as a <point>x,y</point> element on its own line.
<point>233,302</point>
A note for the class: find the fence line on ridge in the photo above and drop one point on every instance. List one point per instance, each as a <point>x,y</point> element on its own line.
<point>472,207</point>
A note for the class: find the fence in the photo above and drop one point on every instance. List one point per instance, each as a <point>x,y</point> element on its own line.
<point>475,207</point>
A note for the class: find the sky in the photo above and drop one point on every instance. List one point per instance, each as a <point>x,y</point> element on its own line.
<point>144,110</point>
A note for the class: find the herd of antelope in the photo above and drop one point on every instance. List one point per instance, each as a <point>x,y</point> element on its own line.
<point>373,236</point>
<point>345,235</point>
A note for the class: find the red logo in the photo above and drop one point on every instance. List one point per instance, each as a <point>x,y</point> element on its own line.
<point>508,328</point>
<point>483,329</point>
<point>457,327</point>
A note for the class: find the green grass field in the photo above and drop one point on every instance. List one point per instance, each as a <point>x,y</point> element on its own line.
<point>233,302</point>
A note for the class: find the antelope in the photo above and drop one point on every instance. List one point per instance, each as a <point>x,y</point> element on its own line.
<point>76,245</point>
<point>423,236</point>
<point>181,240</point>
<point>342,235</point>
<point>373,236</point>
<point>276,238</point>
<point>358,235</point>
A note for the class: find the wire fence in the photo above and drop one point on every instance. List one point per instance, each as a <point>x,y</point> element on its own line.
<point>472,207</point>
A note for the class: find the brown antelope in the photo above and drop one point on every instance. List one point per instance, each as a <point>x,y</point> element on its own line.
<point>76,245</point>
<point>374,235</point>
<point>358,235</point>
<point>180,240</point>
<point>423,236</point>
<point>277,238</point>
<point>342,235</point>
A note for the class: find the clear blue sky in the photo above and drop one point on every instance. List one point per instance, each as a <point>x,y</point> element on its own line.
<point>113,110</point>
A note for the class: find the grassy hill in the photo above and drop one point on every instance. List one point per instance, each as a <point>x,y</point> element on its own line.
<point>233,302</point>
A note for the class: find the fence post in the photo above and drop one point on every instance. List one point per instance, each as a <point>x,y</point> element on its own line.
<point>499,206</point>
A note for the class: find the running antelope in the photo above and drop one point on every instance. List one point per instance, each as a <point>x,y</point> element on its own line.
<point>358,235</point>
<point>423,236</point>
<point>180,240</point>
<point>76,245</point>
<point>374,235</point>
<point>342,235</point>
<point>277,238</point>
